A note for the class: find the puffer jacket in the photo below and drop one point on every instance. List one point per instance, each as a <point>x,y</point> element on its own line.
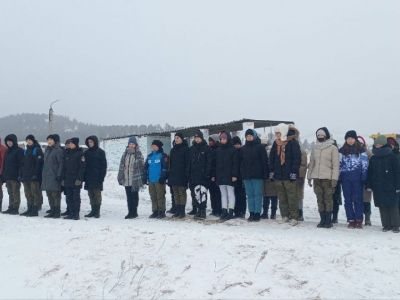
<point>324,161</point>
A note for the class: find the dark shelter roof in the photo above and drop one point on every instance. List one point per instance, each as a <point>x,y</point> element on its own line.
<point>213,128</point>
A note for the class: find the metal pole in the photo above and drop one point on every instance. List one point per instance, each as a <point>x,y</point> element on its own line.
<point>51,116</point>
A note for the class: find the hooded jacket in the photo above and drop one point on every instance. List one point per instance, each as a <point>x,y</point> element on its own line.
<point>74,167</point>
<point>226,163</point>
<point>254,164</point>
<point>13,160</point>
<point>200,164</point>
<point>324,160</point>
<point>32,164</point>
<point>96,165</point>
<point>3,150</point>
<point>156,167</point>
<point>353,163</point>
<point>178,165</point>
<point>384,176</point>
<point>53,167</point>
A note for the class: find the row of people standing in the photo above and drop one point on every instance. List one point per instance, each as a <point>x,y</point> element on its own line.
<point>58,170</point>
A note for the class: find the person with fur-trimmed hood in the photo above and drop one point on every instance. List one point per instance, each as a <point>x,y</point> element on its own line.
<point>132,175</point>
<point>285,160</point>
<point>384,181</point>
<point>31,175</point>
<point>156,167</point>
<point>353,175</point>
<point>323,174</point>
<point>95,173</point>
<point>12,173</point>
<point>199,174</point>
<point>240,192</point>
<point>226,174</point>
<point>73,176</point>
<point>52,174</point>
<point>178,174</point>
<point>254,170</point>
<point>215,192</point>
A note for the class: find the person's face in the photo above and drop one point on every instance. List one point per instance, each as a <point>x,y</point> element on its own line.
<point>10,144</point>
<point>91,143</point>
<point>29,142</point>
<point>237,146</point>
<point>278,135</point>
<point>50,142</point>
<point>178,140</point>
<point>132,146</point>
<point>198,140</point>
<point>71,146</point>
<point>211,143</point>
<point>154,148</point>
<point>350,141</point>
<point>378,146</point>
<point>249,138</point>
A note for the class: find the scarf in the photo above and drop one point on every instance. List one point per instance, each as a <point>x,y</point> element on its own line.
<point>281,148</point>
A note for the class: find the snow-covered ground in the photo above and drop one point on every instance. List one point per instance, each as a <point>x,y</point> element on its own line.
<point>113,258</point>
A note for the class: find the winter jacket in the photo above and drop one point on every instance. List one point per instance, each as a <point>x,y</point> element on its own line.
<point>96,165</point>
<point>132,170</point>
<point>384,176</point>
<point>292,160</point>
<point>13,160</point>
<point>178,165</point>
<point>3,150</point>
<point>74,168</point>
<point>156,167</point>
<point>226,164</point>
<point>353,163</point>
<point>53,168</point>
<point>200,160</point>
<point>324,161</point>
<point>269,185</point>
<point>32,163</point>
<point>303,163</point>
<point>254,163</point>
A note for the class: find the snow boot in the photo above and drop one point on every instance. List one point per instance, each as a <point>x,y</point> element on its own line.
<point>48,211</point>
<point>56,214</point>
<point>193,212</point>
<point>230,215</point>
<point>368,219</point>
<point>201,215</point>
<point>34,212</point>
<point>322,223</point>
<point>328,220</point>
<point>301,217</point>
<point>14,212</point>
<point>257,217</point>
<point>273,214</point>
<point>352,224</point>
<point>8,211</point>
<point>161,215</point>
<point>224,215</point>
<point>335,218</point>
<point>396,230</point>
<point>154,215</point>
<point>264,215</point>
<point>251,217</point>
<point>91,214</point>
<point>358,224</point>
<point>27,212</point>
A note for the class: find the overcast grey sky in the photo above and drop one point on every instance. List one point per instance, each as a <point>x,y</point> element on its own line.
<point>319,63</point>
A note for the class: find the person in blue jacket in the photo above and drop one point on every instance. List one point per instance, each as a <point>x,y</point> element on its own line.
<point>353,176</point>
<point>157,171</point>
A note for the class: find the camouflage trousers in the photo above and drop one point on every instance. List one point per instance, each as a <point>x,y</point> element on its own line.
<point>54,200</point>
<point>180,195</point>
<point>33,193</point>
<point>14,194</point>
<point>95,197</point>
<point>157,194</point>
<point>288,198</point>
<point>324,191</point>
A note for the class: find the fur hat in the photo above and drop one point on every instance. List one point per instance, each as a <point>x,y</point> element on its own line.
<point>283,129</point>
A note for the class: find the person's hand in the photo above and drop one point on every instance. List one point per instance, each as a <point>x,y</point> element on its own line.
<point>334,184</point>
<point>213,179</point>
<point>397,191</point>
<point>271,176</point>
<point>234,179</point>
<point>293,176</point>
<point>310,182</point>
<point>78,183</point>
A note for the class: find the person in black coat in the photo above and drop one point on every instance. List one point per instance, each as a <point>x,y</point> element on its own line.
<point>240,192</point>
<point>384,181</point>
<point>178,173</point>
<point>285,160</point>
<point>73,176</point>
<point>95,173</point>
<point>254,169</point>
<point>12,173</point>
<point>215,192</point>
<point>31,175</point>
<point>226,174</point>
<point>199,171</point>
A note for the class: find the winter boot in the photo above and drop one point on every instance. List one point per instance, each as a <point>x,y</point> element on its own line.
<point>177,211</point>
<point>352,224</point>
<point>49,215</point>
<point>48,211</point>
<point>368,219</point>
<point>56,214</point>
<point>193,212</point>
<point>264,215</point>
<point>224,215</point>
<point>396,230</point>
<point>335,218</point>
<point>34,212</point>
<point>251,217</point>
<point>257,217</point>
<point>91,214</point>
<point>8,211</point>
<point>359,224</point>
<point>182,212</point>
<point>273,214</point>
<point>161,215</point>
<point>230,215</point>
<point>294,222</point>
<point>65,213</point>
<point>323,220</point>
<point>301,217</point>
<point>328,220</point>
<point>173,210</point>
<point>14,212</point>
<point>201,215</point>
<point>154,215</point>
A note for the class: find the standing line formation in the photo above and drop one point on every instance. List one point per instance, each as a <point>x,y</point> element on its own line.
<point>256,176</point>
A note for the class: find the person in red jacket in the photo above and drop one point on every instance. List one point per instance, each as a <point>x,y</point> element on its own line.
<point>3,150</point>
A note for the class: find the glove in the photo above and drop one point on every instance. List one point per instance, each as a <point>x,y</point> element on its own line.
<point>310,182</point>
<point>271,176</point>
<point>293,176</point>
<point>334,184</point>
<point>397,191</point>
<point>19,179</point>
<point>78,183</point>
<point>370,191</point>
<point>234,179</point>
<point>213,179</point>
